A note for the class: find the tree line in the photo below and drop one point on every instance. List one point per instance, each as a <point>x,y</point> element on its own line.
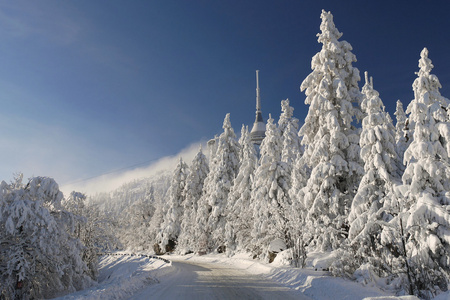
<point>378,195</point>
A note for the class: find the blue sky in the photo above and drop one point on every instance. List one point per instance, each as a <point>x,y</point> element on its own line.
<point>89,87</point>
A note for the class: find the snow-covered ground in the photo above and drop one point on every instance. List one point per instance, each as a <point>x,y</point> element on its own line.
<point>140,277</point>
<point>122,275</point>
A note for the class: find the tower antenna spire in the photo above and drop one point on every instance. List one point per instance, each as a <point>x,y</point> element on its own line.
<point>259,128</point>
<point>258,97</point>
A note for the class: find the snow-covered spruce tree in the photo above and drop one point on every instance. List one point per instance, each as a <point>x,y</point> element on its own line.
<point>292,155</point>
<point>193,191</point>
<point>331,142</point>
<point>38,251</point>
<point>212,149</point>
<point>288,126</point>
<point>270,198</point>
<point>159,193</point>
<point>286,117</point>
<point>211,216</point>
<point>401,132</point>
<point>296,215</point>
<point>173,210</point>
<point>242,141</point>
<point>155,224</point>
<point>238,227</point>
<point>380,158</point>
<point>427,176</point>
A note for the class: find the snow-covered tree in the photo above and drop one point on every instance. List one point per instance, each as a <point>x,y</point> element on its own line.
<point>401,131</point>
<point>288,127</point>
<point>136,218</point>
<point>39,253</point>
<point>286,117</point>
<point>238,228</point>
<point>270,194</point>
<point>297,213</point>
<point>173,211</point>
<point>292,155</point>
<point>211,217</point>
<point>155,224</point>
<point>380,158</point>
<point>212,149</point>
<point>427,176</point>
<point>192,192</point>
<point>84,230</point>
<point>331,142</point>
<point>75,204</point>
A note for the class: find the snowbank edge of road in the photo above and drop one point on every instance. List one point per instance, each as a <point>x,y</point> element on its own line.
<point>122,274</point>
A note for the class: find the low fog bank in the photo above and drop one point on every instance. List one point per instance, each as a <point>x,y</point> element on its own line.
<point>109,182</point>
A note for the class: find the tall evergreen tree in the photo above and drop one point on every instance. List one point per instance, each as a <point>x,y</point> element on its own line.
<point>170,228</point>
<point>331,142</point>
<point>211,216</point>
<point>427,176</point>
<point>286,117</point>
<point>238,229</point>
<point>401,131</point>
<point>193,191</point>
<point>288,127</point>
<point>380,164</point>
<point>270,197</point>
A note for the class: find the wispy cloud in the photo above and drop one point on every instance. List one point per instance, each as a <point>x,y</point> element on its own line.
<point>112,180</point>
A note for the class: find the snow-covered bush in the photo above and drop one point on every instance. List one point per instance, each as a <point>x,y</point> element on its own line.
<point>40,257</point>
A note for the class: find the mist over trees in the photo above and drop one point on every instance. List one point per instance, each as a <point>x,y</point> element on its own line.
<point>348,182</point>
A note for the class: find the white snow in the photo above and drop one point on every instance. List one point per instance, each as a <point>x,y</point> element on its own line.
<point>277,245</point>
<point>124,276</point>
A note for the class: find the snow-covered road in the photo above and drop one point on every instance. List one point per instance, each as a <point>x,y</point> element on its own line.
<point>215,276</point>
<point>194,280</point>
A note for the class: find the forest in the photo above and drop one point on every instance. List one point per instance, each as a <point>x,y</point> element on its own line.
<point>347,182</point>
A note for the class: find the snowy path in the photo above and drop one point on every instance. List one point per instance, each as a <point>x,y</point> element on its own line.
<point>127,276</point>
<point>214,281</point>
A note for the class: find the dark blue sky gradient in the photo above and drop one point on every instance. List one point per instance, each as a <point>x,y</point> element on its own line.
<point>87,87</point>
